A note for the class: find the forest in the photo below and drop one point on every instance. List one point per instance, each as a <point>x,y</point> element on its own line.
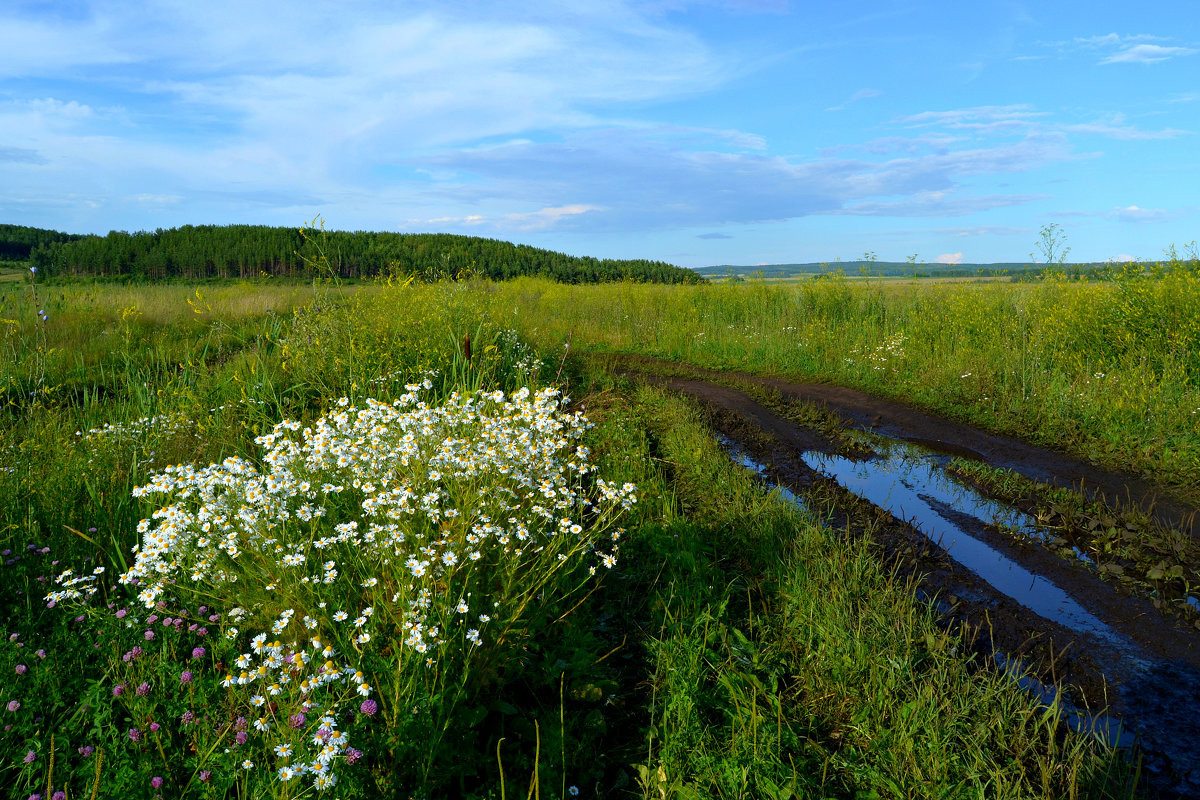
<point>18,241</point>
<point>200,252</point>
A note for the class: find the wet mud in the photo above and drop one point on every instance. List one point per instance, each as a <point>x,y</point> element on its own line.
<point>1121,668</point>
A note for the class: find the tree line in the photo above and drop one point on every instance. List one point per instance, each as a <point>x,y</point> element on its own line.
<point>199,252</point>
<point>18,241</point>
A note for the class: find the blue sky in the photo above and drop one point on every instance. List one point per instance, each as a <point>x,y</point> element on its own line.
<point>698,133</point>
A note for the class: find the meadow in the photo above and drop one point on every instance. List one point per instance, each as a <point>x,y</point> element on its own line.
<point>268,539</point>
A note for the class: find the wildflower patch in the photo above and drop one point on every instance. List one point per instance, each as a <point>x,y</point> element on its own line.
<point>401,534</point>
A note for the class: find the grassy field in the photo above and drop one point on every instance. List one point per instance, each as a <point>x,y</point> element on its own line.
<point>549,608</point>
<point>1109,371</point>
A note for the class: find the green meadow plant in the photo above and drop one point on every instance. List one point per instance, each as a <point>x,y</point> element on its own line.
<point>380,557</point>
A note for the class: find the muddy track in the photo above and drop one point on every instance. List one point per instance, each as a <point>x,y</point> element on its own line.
<point>900,421</point>
<point>1119,661</point>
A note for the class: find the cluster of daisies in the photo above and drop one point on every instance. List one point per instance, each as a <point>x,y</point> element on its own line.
<point>397,522</point>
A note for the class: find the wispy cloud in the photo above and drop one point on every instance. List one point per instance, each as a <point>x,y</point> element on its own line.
<point>600,118</point>
<point>1021,119</point>
<point>1125,48</point>
<point>21,155</point>
<point>1114,39</point>
<point>981,230</point>
<point>979,119</point>
<point>1137,48</point>
<point>642,181</point>
<point>1131,213</point>
<point>1146,54</point>
<point>1116,128</point>
<point>542,219</point>
<point>949,258</point>
<point>938,204</point>
<point>1137,214</point>
<point>861,94</point>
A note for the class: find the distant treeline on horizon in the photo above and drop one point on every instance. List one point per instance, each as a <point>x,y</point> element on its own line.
<point>898,269</point>
<point>199,252</point>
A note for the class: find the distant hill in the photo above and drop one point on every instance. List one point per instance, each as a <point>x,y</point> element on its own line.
<point>198,252</point>
<point>886,269</point>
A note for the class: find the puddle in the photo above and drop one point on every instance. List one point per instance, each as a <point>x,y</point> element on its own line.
<point>910,482</point>
<point>1103,726</point>
<point>742,457</point>
<point>1154,715</point>
<point>1146,673</point>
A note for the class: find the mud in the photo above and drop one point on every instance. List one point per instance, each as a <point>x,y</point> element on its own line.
<point>1130,673</point>
<point>901,421</point>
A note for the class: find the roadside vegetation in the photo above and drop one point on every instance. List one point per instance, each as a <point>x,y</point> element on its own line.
<point>1108,371</point>
<point>641,617</point>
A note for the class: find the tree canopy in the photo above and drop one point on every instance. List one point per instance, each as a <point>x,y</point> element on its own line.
<point>197,252</point>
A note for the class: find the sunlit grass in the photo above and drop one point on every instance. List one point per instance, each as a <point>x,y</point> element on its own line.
<point>670,674</point>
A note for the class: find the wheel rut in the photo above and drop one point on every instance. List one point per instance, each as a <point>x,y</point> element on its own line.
<point>1122,667</point>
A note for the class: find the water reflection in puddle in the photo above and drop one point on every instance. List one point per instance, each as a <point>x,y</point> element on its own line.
<point>1157,696</point>
<point>741,457</point>
<point>910,483</point>
<point>1102,725</point>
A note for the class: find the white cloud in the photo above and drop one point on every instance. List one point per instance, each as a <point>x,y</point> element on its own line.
<point>1021,119</point>
<point>637,181</point>
<point>1113,39</point>
<point>949,258</point>
<point>1147,54</point>
<point>1131,213</point>
<point>1136,214</point>
<point>1117,129</point>
<point>979,119</point>
<point>471,115</point>
<point>542,219</point>
<point>938,204</point>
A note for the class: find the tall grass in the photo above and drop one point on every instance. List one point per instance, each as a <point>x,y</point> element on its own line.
<point>1110,370</point>
<point>737,649</point>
